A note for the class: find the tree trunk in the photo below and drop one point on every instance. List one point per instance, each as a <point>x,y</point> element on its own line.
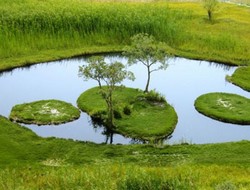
<point>111,137</point>
<point>147,85</point>
<point>100,84</point>
<point>209,12</point>
<point>109,101</point>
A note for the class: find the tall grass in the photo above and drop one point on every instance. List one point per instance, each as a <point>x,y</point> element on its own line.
<point>38,25</point>
<point>36,30</point>
<point>126,177</point>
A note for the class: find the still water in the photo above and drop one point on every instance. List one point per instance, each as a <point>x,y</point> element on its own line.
<point>181,83</point>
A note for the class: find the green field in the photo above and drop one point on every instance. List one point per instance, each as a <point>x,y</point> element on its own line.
<point>37,31</point>
<point>30,162</point>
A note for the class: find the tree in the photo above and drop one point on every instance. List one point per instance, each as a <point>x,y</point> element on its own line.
<point>111,75</point>
<point>144,49</point>
<point>210,6</point>
<point>94,70</point>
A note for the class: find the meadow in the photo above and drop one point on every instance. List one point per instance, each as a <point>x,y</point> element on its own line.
<point>37,31</point>
<point>31,162</point>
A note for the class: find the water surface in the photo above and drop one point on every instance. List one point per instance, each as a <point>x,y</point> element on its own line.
<point>181,83</point>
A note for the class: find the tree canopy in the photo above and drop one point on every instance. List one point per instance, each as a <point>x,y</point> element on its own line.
<point>210,6</point>
<point>146,50</point>
<point>111,74</point>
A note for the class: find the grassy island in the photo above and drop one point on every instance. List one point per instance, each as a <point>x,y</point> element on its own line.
<point>230,108</point>
<point>241,78</point>
<point>136,115</point>
<point>44,112</point>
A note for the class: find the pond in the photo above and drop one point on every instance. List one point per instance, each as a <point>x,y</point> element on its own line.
<point>181,83</point>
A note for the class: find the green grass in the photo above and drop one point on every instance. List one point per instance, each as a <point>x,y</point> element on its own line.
<point>225,107</point>
<point>241,78</point>
<point>30,162</point>
<point>36,31</point>
<point>223,39</point>
<point>44,112</point>
<point>50,25</point>
<point>242,2</point>
<point>148,120</point>
<point>126,177</point>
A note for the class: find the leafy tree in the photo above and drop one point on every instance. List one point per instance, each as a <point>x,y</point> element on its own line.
<point>144,49</point>
<point>111,75</point>
<point>210,6</point>
<point>94,70</point>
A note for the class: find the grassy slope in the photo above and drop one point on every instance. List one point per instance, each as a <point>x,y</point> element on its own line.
<point>155,124</point>
<point>27,148</point>
<point>55,54</point>
<point>225,40</point>
<point>29,162</point>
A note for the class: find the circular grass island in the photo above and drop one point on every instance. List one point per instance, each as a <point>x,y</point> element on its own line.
<point>229,108</point>
<point>137,115</point>
<point>241,78</point>
<point>44,112</point>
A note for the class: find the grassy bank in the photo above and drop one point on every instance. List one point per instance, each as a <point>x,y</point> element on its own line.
<point>30,162</point>
<point>37,31</point>
<point>241,78</point>
<point>136,115</point>
<point>126,177</point>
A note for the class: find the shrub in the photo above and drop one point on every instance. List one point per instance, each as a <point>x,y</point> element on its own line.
<point>117,114</point>
<point>98,115</point>
<point>127,110</point>
<point>154,96</point>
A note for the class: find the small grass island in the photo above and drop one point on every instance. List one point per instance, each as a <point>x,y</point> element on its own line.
<point>44,112</point>
<point>229,108</point>
<point>137,114</point>
<point>241,78</point>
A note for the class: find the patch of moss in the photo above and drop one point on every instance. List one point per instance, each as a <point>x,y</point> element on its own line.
<point>147,120</point>
<point>230,108</point>
<point>44,112</point>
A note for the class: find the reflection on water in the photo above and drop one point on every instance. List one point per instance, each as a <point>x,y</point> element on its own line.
<point>182,82</point>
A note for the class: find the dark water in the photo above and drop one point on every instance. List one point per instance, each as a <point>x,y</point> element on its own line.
<point>182,82</point>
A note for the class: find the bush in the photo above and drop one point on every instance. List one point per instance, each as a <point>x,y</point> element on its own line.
<point>154,96</point>
<point>117,114</point>
<point>127,110</point>
<point>99,114</point>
